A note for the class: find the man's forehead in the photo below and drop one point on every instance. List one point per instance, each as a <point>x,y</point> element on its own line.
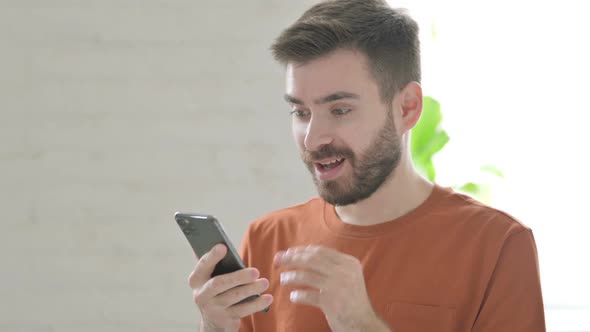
<point>339,58</point>
<point>340,73</point>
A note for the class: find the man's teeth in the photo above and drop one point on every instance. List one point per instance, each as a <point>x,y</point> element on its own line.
<point>331,163</point>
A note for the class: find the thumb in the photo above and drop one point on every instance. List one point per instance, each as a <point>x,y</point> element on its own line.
<point>206,265</point>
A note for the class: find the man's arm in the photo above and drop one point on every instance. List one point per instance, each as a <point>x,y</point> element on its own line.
<point>513,300</point>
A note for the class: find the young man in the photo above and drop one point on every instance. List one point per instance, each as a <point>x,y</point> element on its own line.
<point>383,249</point>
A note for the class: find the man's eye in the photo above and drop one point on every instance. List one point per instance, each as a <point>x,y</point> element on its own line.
<point>300,114</point>
<point>341,111</point>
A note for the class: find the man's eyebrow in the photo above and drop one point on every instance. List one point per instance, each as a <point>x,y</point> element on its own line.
<point>292,100</point>
<point>336,96</point>
<point>323,100</point>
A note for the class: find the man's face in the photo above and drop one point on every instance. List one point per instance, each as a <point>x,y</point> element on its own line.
<point>346,136</point>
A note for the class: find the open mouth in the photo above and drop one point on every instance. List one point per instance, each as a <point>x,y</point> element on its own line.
<point>329,169</point>
<point>330,164</point>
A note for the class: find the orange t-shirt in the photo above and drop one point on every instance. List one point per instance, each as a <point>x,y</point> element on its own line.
<point>451,264</point>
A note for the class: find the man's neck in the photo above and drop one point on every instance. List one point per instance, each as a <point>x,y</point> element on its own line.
<point>403,191</point>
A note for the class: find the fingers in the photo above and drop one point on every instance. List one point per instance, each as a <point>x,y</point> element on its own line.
<point>225,282</point>
<point>318,259</point>
<point>308,297</point>
<point>323,273</point>
<point>250,307</point>
<point>237,294</point>
<point>304,278</point>
<point>206,265</point>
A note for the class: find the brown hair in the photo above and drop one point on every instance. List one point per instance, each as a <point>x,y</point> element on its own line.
<point>387,36</point>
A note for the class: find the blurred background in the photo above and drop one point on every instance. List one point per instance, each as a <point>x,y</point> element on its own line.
<point>116,114</point>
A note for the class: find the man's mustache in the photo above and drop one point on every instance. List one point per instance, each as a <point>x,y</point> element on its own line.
<point>326,151</point>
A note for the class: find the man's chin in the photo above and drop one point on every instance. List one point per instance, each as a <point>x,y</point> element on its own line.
<point>339,200</point>
<point>336,196</point>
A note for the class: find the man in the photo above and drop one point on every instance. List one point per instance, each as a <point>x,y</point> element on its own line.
<point>383,249</point>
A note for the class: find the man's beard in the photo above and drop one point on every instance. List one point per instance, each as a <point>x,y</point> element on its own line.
<point>369,171</point>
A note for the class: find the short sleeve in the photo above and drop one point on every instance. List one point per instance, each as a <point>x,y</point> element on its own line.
<point>513,300</point>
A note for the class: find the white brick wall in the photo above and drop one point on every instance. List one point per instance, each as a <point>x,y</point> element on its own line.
<point>113,115</point>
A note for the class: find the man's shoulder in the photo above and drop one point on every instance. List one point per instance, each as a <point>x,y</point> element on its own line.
<point>460,208</point>
<point>291,216</point>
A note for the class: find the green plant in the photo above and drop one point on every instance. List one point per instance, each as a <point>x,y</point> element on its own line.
<point>428,138</point>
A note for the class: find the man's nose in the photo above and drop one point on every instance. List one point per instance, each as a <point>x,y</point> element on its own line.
<point>318,134</point>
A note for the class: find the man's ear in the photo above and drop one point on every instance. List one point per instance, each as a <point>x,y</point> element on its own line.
<point>410,105</point>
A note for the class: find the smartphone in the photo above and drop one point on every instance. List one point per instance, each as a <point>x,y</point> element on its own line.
<point>203,232</point>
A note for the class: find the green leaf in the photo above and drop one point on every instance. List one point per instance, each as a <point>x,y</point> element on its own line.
<point>430,171</point>
<point>435,144</point>
<point>428,138</point>
<point>470,188</point>
<point>492,170</point>
<point>426,169</point>
<point>427,125</point>
<point>481,192</point>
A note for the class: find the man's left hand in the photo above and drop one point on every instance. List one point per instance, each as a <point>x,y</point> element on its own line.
<point>337,286</point>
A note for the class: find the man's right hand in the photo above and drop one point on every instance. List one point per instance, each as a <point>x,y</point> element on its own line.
<point>217,297</point>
